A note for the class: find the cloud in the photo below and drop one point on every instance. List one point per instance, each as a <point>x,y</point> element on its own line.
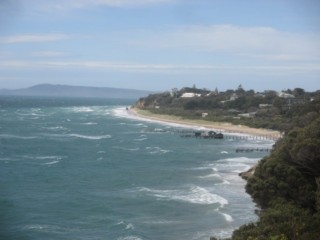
<point>157,68</point>
<point>33,38</point>
<point>124,3</point>
<point>63,5</point>
<point>49,54</point>
<point>263,42</point>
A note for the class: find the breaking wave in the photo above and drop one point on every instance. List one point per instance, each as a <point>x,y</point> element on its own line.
<point>195,195</point>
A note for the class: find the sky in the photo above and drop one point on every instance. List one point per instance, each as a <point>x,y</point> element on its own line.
<point>161,44</point>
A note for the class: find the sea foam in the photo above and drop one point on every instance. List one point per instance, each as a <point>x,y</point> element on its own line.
<point>195,195</point>
<point>90,137</point>
<point>227,217</point>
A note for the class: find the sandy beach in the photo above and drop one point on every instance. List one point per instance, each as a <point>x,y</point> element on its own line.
<point>218,126</point>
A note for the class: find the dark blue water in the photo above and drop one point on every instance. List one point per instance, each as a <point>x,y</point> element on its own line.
<point>85,169</point>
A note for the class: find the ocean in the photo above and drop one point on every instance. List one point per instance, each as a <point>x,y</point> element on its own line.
<point>87,169</point>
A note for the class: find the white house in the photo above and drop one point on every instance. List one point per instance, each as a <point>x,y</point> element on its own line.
<point>190,95</point>
<point>265,105</point>
<point>285,95</point>
<point>247,115</point>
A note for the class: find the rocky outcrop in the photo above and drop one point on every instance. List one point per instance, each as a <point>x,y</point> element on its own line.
<point>247,174</point>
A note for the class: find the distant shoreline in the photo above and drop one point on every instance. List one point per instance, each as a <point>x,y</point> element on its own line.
<point>218,126</point>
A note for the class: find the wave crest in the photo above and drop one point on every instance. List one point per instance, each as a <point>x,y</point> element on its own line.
<point>195,195</point>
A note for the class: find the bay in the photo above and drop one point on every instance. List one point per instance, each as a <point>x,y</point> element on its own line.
<point>86,169</point>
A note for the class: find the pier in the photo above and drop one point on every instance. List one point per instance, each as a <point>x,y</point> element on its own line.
<point>246,150</point>
<point>220,134</point>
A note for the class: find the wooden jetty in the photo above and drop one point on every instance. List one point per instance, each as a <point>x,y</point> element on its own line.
<point>205,135</point>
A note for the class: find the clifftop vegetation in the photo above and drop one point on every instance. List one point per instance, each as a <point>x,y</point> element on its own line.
<point>268,109</point>
<point>286,184</point>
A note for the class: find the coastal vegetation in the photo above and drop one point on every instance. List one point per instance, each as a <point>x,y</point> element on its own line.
<point>286,184</point>
<point>268,109</point>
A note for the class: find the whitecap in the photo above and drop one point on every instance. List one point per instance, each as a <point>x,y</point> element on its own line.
<point>212,175</point>
<point>160,222</point>
<point>17,137</point>
<point>195,195</point>
<point>48,157</point>
<point>51,163</point>
<point>82,109</point>
<point>90,123</point>
<point>140,139</point>
<point>157,150</point>
<point>235,165</point>
<point>129,238</point>
<point>55,128</point>
<point>224,152</point>
<point>128,226</point>
<point>127,149</point>
<point>227,217</point>
<point>89,137</point>
<point>44,228</point>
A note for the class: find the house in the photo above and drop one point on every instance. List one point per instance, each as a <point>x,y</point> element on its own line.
<point>190,95</point>
<point>233,97</point>
<point>247,115</point>
<point>285,95</point>
<point>261,95</point>
<point>265,105</point>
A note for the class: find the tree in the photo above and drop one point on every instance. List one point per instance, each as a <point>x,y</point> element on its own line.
<point>240,90</point>
<point>298,92</point>
<point>191,105</point>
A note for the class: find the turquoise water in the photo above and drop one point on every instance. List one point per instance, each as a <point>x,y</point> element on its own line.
<point>86,169</point>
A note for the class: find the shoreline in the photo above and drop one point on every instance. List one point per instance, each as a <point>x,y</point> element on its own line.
<point>218,126</point>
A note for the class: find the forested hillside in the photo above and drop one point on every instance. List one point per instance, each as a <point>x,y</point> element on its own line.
<point>268,109</point>
<point>286,185</point>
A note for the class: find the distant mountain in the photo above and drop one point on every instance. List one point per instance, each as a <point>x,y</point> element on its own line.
<point>76,91</point>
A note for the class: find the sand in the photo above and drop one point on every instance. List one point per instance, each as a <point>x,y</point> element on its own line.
<point>218,126</point>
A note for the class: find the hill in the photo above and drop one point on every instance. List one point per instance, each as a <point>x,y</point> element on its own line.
<point>268,109</point>
<point>76,91</point>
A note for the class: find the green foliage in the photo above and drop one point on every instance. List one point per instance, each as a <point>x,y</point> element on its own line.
<point>286,185</point>
<point>191,105</point>
<point>275,178</point>
<point>282,221</point>
<point>280,116</point>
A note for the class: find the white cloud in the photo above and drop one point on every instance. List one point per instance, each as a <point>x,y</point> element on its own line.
<point>49,54</point>
<point>157,68</point>
<point>123,3</point>
<point>62,5</point>
<point>33,38</point>
<point>263,42</point>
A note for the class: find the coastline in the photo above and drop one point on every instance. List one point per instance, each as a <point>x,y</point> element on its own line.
<point>217,126</point>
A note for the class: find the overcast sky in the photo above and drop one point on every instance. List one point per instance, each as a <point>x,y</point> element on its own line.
<point>161,44</point>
